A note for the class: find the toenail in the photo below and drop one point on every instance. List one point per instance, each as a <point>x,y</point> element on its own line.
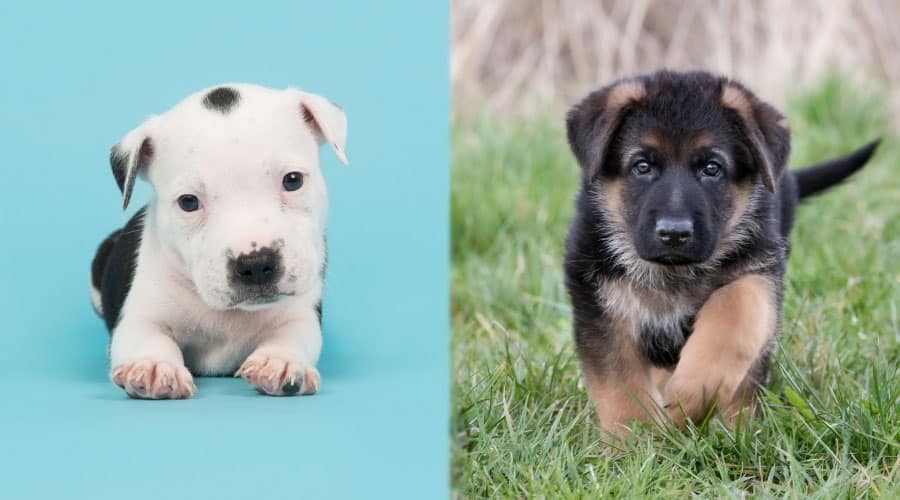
<point>291,388</point>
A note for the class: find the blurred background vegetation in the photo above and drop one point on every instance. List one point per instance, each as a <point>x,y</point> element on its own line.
<point>517,56</point>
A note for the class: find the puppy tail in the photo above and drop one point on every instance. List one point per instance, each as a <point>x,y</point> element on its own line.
<point>816,178</point>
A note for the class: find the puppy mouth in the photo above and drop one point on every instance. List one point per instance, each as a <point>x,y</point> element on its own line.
<point>672,260</point>
<point>266,299</point>
<point>258,301</point>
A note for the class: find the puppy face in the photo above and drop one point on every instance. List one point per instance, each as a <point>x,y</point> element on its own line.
<point>674,161</point>
<point>240,201</point>
<point>679,184</point>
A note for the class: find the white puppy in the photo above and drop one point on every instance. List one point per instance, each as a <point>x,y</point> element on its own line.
<point>222,272</point>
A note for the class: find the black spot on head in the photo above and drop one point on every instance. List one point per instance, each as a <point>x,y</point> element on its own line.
<point>221,99</point>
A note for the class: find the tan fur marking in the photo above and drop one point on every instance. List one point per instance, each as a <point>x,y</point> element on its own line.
<point>651,140</point>
<point>623,390</point>
<point>702,141</point>
<point>612,197</point>
<point>736,99</point>
<point>739,206</point>
<point>660,377</point>
<point>624,93</point>
<point>742,406</point>
<point>731,331</point>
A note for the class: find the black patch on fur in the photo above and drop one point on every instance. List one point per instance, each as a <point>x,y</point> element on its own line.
<point>118,160</point>
<point>221,99</point>
<point>101,257</point>
<point>663,347</point>
<point>318,308</point>
<point>115,261</point>
<point>290,388</point>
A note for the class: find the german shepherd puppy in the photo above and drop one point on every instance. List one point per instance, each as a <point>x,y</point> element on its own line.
<point>676,254</point>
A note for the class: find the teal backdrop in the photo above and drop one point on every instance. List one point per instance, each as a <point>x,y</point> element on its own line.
<point>75,77</point>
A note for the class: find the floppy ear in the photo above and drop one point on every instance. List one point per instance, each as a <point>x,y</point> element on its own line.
<point>130,158</point>
<point>328,121</point>
<point>765,128</point>
<point>591,124</point>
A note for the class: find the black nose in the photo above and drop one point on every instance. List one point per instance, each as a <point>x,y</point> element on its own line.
<point>674,232</point>
<point>259,267</point>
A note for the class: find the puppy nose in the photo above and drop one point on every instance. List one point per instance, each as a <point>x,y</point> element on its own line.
<point>259,267</point>
<point>674,232</point>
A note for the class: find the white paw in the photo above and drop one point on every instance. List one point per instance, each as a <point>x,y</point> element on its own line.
<point>154,380</point>
<point>277,377</point>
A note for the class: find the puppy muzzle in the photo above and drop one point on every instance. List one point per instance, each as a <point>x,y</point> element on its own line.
<point>254,277</point>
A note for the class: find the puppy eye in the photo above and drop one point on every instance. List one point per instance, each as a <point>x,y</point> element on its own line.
<point>188,202</point>
<point>641,168</point>
<point>292,181</point>
<point>712,169</point>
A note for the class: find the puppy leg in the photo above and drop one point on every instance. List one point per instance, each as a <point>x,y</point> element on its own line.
<point>147,363</point>
<point>284,364</point>
<point>621,385</point>
<point>732,332</point>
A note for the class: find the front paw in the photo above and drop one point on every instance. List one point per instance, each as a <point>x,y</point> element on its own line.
<point>154,380</point>
<point>690,399</point>
<point>278,377</point>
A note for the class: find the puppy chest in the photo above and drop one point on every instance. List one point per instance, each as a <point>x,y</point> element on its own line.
<point>661,344</point>
<point>659,322</point>
<point>217,348</point>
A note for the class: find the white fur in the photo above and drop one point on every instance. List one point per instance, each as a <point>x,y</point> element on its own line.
<point>181,309</point>
<point>96,299</point>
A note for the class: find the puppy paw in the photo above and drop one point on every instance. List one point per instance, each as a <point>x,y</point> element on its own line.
<point>154,380</point>
<point>278,377</point>
<point>692,400</point>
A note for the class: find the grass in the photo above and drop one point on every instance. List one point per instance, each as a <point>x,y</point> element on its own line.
<point>522,424</point>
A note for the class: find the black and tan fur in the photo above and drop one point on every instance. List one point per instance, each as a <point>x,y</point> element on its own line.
<point>677,251</point>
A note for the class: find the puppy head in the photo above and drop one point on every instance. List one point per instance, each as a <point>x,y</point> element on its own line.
<point>675,161</point>
<point>240,202</point>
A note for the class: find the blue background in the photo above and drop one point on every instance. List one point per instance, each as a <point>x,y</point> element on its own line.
<point>75,78</point>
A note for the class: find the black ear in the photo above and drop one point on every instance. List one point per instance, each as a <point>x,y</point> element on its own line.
<point>592,123</point>
<point>130,158</point>
<point>766,130</point>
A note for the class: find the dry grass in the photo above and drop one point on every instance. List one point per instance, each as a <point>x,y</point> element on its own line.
<point>511,56</point>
